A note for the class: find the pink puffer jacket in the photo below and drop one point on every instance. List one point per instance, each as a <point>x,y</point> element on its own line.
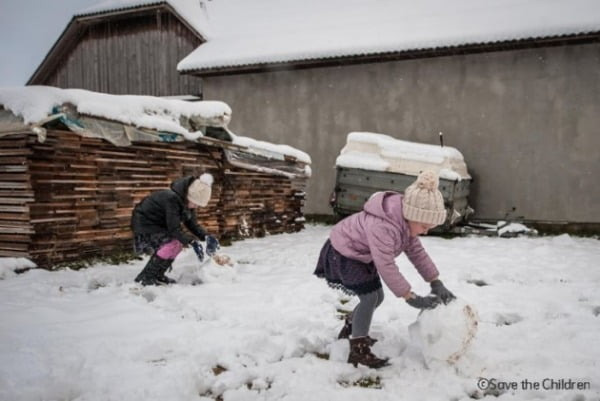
<point>379,234</point>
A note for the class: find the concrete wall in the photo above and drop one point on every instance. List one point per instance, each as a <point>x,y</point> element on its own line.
<point>527,121</point>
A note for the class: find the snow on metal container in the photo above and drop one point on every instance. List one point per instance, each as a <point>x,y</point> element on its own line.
<point>375,162</point>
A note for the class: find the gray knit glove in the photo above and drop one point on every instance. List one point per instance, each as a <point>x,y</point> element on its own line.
<point>437,288</point>
<point>428,302</point>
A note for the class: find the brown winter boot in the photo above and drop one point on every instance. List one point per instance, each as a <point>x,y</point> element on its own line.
<point>360,352</point>
<point>346,331</point>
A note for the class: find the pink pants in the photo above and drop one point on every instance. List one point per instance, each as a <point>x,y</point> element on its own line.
<point>170,250</point>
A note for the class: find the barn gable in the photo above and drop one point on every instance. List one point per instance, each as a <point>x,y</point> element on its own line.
<point>126,51</point>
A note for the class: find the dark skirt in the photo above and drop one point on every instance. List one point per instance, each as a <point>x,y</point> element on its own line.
<point>349,275</point>
<point>149,243</point>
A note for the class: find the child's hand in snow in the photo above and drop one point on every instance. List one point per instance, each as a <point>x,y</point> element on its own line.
<point>212,244</point>
<point>437,288</point>
<point>428,302</point>
<point>198,249</point>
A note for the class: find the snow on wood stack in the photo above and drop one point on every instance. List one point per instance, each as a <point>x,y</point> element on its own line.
<point>69,178</point>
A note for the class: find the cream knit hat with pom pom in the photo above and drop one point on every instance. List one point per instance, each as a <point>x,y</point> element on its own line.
<point>200,190</point>
<point>423,202</point>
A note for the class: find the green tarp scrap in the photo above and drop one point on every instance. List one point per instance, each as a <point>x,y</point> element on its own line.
<point>116,133</point>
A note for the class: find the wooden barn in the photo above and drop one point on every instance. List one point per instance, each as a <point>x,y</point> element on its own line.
<point>132,50</point>
<point>69,179</point>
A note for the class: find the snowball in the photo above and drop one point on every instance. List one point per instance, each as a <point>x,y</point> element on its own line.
<point>446,332</point>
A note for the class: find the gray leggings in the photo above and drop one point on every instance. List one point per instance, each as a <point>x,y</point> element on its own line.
<point>363,313</point>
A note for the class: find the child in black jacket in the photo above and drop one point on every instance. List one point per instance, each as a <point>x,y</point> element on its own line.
<point>156,224</point>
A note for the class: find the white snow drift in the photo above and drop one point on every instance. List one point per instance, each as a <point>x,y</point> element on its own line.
<point>263,329</point>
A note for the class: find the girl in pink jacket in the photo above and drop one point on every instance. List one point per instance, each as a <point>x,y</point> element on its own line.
<point>361,251</point>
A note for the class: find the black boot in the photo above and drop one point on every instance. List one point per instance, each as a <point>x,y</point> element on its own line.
<point>154,272</point>
<point>360,352</point>
<point>164,268</point>
<point>346,331</point>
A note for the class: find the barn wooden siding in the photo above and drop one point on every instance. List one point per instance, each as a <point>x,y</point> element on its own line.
<point>71,197</point>
<point>137,55</point>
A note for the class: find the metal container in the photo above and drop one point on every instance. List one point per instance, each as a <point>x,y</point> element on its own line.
<point>355,186</point>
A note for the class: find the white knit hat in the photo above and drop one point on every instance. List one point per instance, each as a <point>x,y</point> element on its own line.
<point>199,190</point>
<point>423,202</point>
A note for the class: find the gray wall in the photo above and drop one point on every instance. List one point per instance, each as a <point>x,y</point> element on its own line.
<point>527,121</point>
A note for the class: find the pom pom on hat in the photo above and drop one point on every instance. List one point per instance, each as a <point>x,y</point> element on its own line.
<point>428,180</point>
<point>207,179</point>
<point>200,190</point>
<point>423,202</point>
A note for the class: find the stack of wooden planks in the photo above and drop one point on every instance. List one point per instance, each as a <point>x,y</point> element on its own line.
<point>71,197</point>
<point>16,194</point>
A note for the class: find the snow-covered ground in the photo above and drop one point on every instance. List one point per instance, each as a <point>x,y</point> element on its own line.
<point>262,329</point>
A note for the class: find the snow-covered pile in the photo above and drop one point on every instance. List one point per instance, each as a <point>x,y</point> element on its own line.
<point>378,152</point>
<point>10,266</point>
<point>35,103</point>
<point>508,229</point>
<point>271,150</point>
<point>263,329</point>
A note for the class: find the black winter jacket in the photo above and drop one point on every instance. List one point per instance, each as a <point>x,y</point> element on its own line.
<point>164,211</point>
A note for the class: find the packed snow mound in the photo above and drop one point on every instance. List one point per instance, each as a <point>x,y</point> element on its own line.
<point>446,332</point>
<point>379,152</point>
<point>10,266</point>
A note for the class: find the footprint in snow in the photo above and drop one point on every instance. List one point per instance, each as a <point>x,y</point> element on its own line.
<point>507,319</point>
<point>478,283</point>
<point>145,293</point>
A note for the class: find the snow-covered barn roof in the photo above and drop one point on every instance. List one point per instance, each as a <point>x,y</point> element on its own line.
<point>193,12</point>
<point>245,33</point>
